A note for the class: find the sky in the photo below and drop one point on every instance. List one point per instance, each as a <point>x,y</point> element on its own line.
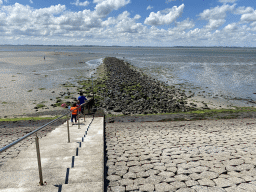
<point>129,22</point>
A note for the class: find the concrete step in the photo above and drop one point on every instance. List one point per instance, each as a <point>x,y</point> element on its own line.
<point>74,166</point>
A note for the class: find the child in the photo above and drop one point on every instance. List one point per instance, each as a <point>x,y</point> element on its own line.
<point>77,105</point>
<point>74,113</point>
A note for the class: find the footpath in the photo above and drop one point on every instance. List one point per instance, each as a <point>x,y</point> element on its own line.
<point>66,167</point>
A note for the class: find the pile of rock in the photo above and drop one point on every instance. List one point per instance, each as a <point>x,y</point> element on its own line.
<point>132,92</point>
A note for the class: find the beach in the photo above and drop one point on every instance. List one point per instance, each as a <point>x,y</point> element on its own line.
<point>27,80</point>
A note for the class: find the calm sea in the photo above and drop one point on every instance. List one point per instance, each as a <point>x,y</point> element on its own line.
<point>227,72</point>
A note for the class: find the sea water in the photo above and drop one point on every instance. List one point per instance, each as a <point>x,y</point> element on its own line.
<point>217,71</point>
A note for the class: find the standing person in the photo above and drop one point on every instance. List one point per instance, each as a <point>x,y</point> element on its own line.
<point>82,99</point>
<point>74,113</point>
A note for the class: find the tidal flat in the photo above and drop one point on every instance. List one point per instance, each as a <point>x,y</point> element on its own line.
<point>28,80</point>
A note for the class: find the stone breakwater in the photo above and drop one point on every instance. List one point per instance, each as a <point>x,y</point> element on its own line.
<point>11,131</point>
<point>182,156</point>
<point>129,91</point>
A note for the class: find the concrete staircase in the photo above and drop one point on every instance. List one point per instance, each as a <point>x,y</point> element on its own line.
<point>66,167</point>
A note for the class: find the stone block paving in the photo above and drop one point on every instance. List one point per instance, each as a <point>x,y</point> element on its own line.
<point>213,155</point>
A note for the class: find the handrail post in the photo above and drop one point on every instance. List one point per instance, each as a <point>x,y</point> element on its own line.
<point>68,130</point>
<point>39,161</point>
<point>78,120</point>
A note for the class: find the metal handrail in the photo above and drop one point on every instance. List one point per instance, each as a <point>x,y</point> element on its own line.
<point>31,133</point>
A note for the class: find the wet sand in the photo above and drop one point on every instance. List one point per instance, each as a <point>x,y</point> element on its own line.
<point>27,79</point>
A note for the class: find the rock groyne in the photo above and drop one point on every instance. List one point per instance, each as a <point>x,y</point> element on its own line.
<point>126,90</point>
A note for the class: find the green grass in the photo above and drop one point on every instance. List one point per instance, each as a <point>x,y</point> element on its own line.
<point>40,105</point>
<point>4,102</point>
<point>28,118</point>
<point>41,88</point>
<point>202,113</point>
<point>29,90</point>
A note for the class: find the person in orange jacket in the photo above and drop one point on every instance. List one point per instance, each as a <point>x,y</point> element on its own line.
<point>74,113</point>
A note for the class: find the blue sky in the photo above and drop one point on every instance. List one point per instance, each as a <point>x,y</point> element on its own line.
<point>129,22</point>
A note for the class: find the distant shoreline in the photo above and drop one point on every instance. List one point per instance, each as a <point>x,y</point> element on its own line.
<point>129,46</point>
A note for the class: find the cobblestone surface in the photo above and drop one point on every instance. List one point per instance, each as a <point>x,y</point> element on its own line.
<point>213,155</point>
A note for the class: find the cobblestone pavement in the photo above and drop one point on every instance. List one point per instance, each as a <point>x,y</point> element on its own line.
<point>213,155</point>
<point>11,131</point>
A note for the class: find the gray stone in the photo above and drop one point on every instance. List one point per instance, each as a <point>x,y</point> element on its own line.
<point>247,178</point>
<point>209,175</point>
<point>118,189</point>
<point>178,184</point>
<point>199,188</point>
<point>142,174</point>
<point>140,181</point>
<point>131,187</point>
<point>147,166</point>
<point>172,169</point>
<point>153,172</point>
<point>136,169</point>
<point>133,163</point>
<point>126,182</point>
<point>182,177</point>
<point>147,187</point>
<point>195,176</point>
<point>166,174</point>
<point>162,187</point>
<point>186,190</point>
<point>199,169</point>
<point>154,179</point>
<point>129,175</point>
<point>160,168</point>
<point>222,182</point>
<point>236,180</point>
<point>206,182</point>
<point>215,189</point>
<point>113,177</point>
<point>247,187</point>
<point>191,183</point>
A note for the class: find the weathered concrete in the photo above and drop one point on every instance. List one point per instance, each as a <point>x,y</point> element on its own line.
<point>66,167</point>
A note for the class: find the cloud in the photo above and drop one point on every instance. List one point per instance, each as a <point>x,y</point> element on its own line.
<point>149,7</point>
<point>214,24</point>
<point>218,12</point>
<point>164,17</point>
<point>1,2</point>
<point>227,1</point>
<point>249,17</point>
<point>216,16</point>
<point>186,24</point>
<point>104,7</point>
<point>56,25</point>
<point>78,3</point>
<point>31,1</point>
<point>243,10</point>
<point>231,27</point>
